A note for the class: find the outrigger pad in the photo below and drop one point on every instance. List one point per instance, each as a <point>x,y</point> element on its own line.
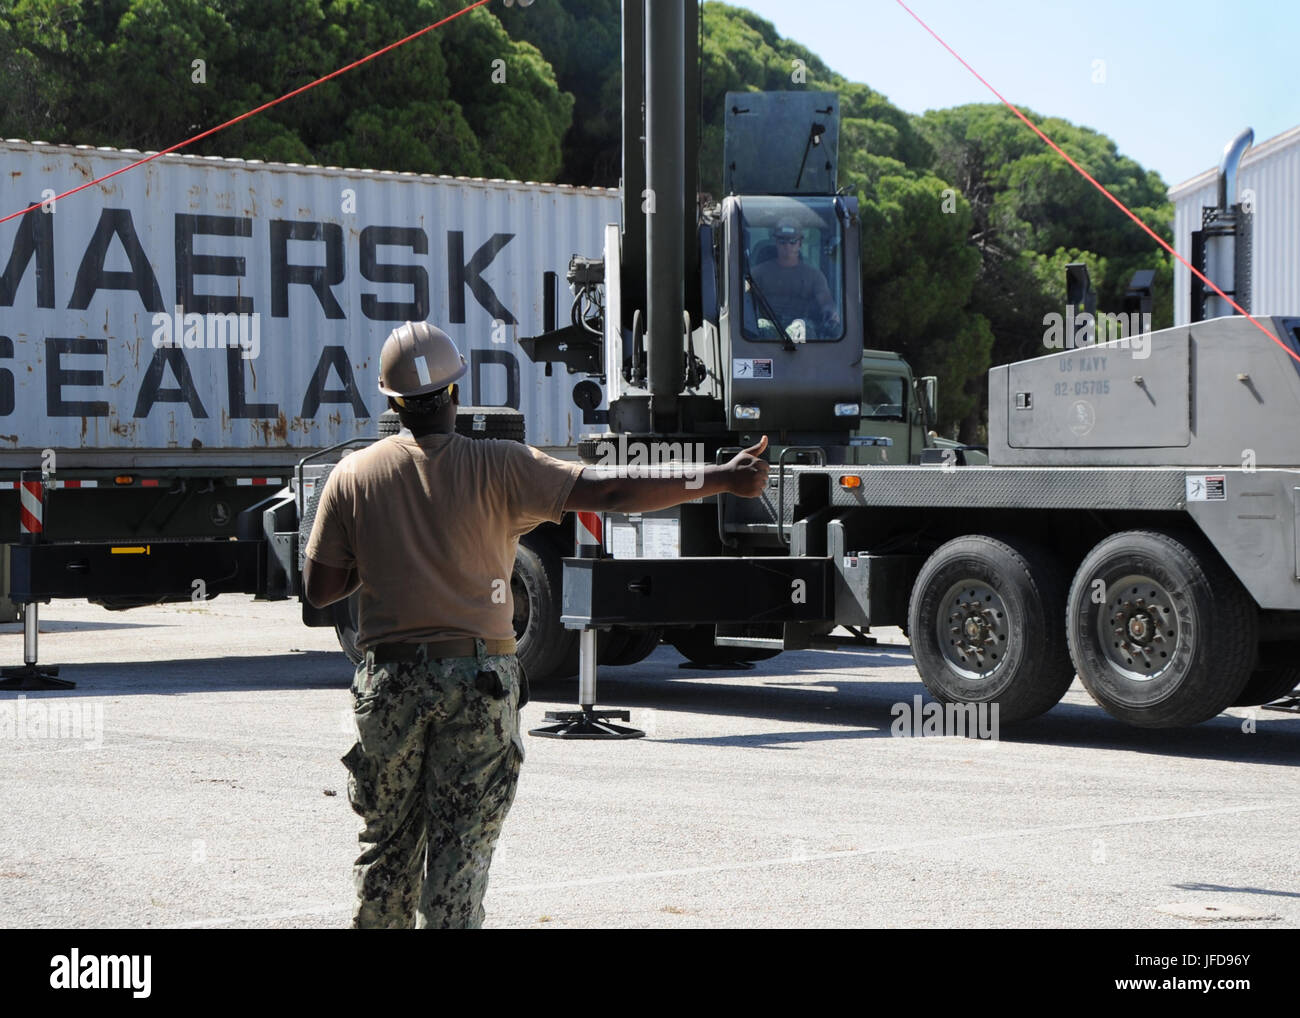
<point>33,677</point>
<point>586,724</point>
<point>1291,704</point>
<point>718,666</point>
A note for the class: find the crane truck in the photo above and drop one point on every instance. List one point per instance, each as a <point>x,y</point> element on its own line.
<point>1136,522</point>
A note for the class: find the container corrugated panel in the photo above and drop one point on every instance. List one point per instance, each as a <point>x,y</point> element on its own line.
<point>1271,170</point>
<point>310,267</point>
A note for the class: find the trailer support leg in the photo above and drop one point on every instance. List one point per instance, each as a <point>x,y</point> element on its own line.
<point>587,722</point>
<point>30,675</point>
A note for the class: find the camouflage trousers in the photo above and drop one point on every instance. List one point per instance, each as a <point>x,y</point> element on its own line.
<point>432,774</point>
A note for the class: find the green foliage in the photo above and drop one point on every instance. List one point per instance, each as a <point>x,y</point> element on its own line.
<point>581,41</point>
<point>123,73</point>
<point>1033,214</point>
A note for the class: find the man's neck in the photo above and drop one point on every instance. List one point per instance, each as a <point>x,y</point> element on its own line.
<point>424,431</point>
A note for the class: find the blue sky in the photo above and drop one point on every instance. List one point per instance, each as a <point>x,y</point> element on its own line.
<point>1181,77</point>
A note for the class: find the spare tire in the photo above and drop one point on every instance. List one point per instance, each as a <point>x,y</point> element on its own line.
<point>389,423</point>
<point>490,422</point>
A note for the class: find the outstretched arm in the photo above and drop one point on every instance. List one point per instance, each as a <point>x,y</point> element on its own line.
<point>744,475</point>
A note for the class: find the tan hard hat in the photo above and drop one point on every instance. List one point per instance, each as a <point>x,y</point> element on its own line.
<point>418,358</point>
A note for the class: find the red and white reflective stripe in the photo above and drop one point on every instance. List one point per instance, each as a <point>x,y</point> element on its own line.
<point>73,484</point>
<point>245,482</point>
<point>31,507</point>
<point>590,531</point>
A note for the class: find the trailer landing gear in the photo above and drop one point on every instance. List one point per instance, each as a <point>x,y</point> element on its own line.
<point>30,675</point>
<point>587,722</point>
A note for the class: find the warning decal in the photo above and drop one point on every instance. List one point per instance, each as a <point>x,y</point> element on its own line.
<point>745,367</point>
<point>1209,488</point>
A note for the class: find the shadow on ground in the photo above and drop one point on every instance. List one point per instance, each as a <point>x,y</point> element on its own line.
<point>845,696</point>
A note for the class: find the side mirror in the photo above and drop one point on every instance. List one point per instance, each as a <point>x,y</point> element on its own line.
<point>930,388</point>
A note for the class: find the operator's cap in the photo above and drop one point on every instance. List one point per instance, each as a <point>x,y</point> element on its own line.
<point>418,358</point>
<point>787,229</point>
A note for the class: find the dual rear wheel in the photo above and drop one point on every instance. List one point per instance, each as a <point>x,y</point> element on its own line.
<point>1159,631</point>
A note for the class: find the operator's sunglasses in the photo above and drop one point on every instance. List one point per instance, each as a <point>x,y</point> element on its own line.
<point>789,240</point>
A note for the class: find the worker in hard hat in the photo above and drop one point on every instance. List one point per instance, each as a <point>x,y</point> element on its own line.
<point>425,524</point>
<point>795,290</point>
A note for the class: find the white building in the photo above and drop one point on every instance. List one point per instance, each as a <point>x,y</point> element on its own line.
<point>1270,179</point>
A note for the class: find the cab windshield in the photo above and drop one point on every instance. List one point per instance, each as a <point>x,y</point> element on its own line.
<point>793,269</point>
<point>882,398</point>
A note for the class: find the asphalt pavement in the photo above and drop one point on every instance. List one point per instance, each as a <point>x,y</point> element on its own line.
<point>192,779</point>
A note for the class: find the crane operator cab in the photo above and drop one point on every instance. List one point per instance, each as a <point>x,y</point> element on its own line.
<point>795,270</point>
<point>789,309</point>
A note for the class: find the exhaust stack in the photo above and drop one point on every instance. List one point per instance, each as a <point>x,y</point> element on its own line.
<point>1232,153</point>
<point>1221,248</point>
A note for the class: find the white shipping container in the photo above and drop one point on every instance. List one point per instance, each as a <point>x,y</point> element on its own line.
<point>118,304</point>
<point>1269,178</point>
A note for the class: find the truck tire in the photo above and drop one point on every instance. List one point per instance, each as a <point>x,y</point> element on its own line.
<point>490,422</point>
<point>1277,674</point>
<point>640,645</point>
<point>987,626</point>
<point>611,644</point>
<point>695,643</point>
<point>545,646</point>
<point>1174,640</point>
<point>345,626</point>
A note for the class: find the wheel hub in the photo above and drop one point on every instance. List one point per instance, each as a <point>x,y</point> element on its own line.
<point>1139,627</point>
<point>973,632</point>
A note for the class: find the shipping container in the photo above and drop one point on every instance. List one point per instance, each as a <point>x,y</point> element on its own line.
<point>1268,186</point>
<point>206,311</point>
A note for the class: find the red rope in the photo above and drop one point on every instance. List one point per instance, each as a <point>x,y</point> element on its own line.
<point>1118,204</point>
<point>252,113</point>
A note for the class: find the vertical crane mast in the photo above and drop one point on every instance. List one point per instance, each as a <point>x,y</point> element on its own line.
<point>665,161</point>
<point>660,258</point>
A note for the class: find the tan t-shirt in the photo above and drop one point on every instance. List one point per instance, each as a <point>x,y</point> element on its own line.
<point>432,525</point>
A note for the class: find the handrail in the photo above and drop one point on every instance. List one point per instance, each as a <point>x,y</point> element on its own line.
<point>780,483</point>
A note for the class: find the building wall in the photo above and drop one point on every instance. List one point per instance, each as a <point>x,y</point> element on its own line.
<point>1271,170</point>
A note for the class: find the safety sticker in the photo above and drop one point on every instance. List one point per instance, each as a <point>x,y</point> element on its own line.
<point>623,541</point>
<point>751,367</point>
<point>1208,488</point>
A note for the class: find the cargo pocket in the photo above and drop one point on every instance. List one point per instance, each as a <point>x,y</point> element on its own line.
<point>524,691</point>
<point>521,678</point>
<point>361,780</point>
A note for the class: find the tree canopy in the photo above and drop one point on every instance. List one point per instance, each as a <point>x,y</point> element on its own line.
<point>124,73</point>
